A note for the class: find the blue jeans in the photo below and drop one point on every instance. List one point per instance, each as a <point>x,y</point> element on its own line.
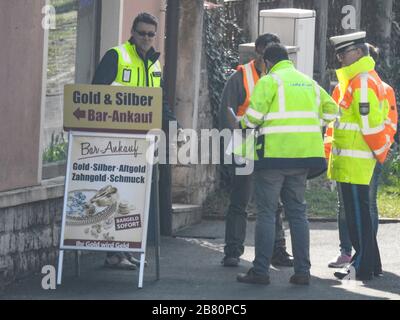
<point>290,184</point>
<point>236,219</point>
<point>344,238</point>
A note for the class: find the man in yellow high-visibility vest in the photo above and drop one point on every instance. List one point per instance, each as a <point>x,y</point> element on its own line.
<point>236,95</point>
<point>286,108</point>
<point>135,63</point>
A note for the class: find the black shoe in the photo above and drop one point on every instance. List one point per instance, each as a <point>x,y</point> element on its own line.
<point>252,277</point>
<point>230,261</point>
<point>378,274</point>
<point>300,279</point>
<point>343,273</point>
<point>282,259</point>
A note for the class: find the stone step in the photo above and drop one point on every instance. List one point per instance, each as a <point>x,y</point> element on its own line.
<point>184,215</point>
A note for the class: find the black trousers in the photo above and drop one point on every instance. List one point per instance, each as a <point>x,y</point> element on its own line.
<point>366,259</point>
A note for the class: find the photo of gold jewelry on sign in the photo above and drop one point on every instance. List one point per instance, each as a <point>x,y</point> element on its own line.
<point>88,206</point>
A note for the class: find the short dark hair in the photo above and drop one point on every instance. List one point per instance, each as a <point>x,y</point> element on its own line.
<point>145,18</point>
<point>266,39</point>
<point>275,53</point>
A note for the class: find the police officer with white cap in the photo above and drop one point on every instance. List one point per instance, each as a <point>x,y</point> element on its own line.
<point>359,141</point>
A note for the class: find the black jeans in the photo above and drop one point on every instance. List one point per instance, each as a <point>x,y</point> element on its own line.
<point>236,218</point>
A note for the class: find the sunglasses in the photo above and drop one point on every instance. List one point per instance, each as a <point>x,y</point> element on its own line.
<point>144,33</point>
<point>341,55</point>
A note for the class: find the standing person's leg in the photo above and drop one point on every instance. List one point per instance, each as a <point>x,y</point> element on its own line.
<point>280,242</point>
<point>236,220</point>
<point>378,272</point>
<point>267,187</point>
<point>293,197</point>
<point>344,258</point>
<point>370,257</point>
<point>373,195</point>
<point>280,257</point>
<point>356,202</point>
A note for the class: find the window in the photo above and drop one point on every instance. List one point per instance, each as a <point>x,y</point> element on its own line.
<point>60,71</point>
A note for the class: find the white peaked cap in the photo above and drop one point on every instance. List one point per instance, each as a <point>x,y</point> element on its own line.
<point>346,40</point>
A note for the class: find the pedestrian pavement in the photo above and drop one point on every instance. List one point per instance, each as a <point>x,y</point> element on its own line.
<point>191,270</point>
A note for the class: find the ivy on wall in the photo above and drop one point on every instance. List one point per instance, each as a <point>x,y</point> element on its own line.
<point>222,38</point>
<point>223,35</point>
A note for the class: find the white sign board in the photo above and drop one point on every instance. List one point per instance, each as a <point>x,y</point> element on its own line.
<point>107,192</point>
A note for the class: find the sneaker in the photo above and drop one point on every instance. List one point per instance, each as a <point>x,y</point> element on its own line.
<point>282,259</point>
<point>230,261</point>
<point>116,262</point>
<point>300,279</point>
<point>252,277</point>
<point>341,261</point>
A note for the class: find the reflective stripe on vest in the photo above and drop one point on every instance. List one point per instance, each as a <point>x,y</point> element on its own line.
<point>248,123</point>
<point>385,148</point>
<point>389,123</point>
<point>376,138</point>
<point>347,126</point>
<point>353,153</point>
<point>250,78</point>
<point>328,140</point>
<point>254,113</point>
<point>125,54</point>
<point>289,115</point>
<point>329,130</point>
<point>282,114</point>
<point>289,129</point>
<point>281,92</point>
<point>251,82</point>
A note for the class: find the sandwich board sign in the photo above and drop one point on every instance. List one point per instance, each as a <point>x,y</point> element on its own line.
<point>109,175</point>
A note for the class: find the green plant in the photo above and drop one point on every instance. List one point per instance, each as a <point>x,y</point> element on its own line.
<point>395,164</point>
<point>391,168</point>
<point>62,6</point>
<point>57,150</point>
<point>222,38</point>
<point>222,35</point>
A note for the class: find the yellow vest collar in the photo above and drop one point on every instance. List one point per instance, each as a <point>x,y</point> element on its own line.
<point>345,74</point>
<point>282,65</point>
